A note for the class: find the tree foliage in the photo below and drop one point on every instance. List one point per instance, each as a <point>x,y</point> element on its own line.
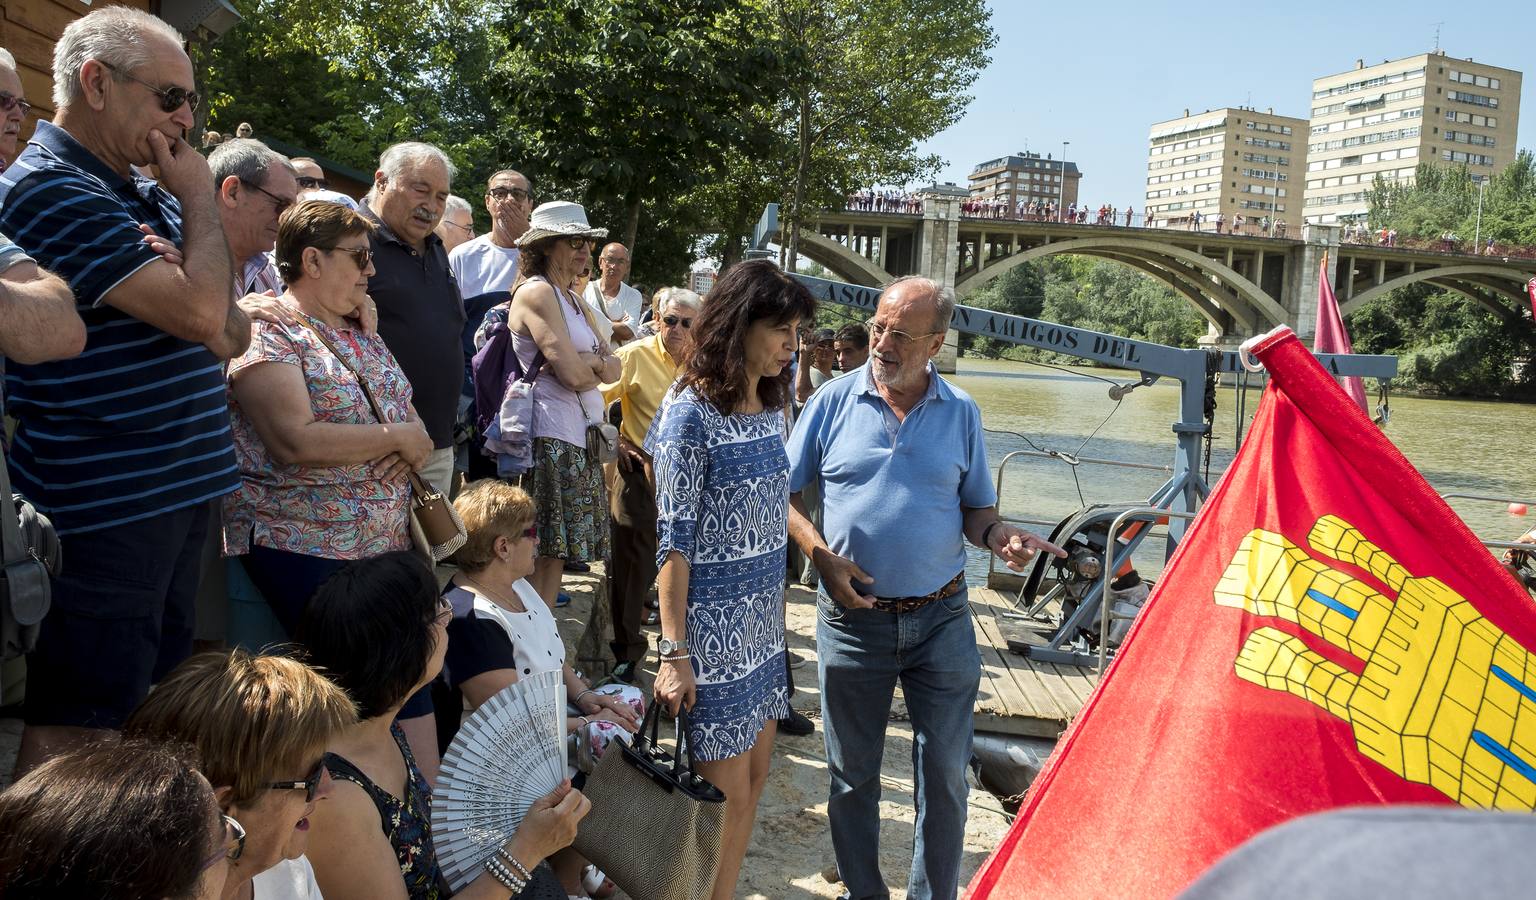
<point>1446,342</point>
<point>1445,198</point>
<point>675,123</point>
<point>874,78</point>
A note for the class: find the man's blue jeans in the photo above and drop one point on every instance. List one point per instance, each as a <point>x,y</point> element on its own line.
<point>863,654</point>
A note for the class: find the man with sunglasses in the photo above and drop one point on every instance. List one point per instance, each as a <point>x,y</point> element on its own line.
<point>486,269</point>
<point>902,464</point>
<point>255,186</point>
<point>648,367</point>
<point>123,446</point>
<point>309,174</point>
<point>614,300</point>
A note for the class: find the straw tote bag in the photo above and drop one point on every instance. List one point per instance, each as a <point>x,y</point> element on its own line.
<point>654,826</point>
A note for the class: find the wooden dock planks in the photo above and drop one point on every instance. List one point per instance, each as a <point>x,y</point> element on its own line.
<point>1021,696</point>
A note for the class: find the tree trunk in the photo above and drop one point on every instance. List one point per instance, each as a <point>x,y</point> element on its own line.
<point>802,167</point>
<point>632,222</point>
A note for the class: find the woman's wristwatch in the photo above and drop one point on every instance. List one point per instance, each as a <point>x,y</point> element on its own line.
<point>669,647</point>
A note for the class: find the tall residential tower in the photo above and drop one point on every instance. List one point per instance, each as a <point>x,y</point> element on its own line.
<point>1384,120</point>
<point>1232,161</point>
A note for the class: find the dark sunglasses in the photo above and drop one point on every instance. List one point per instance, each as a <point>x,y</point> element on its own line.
<point>360,255</point>
<point>171,98</point>
<point>671,321</point>
<point>280,205</point>
<point>232,846</point>
<point>578,242</point>
<point>9,101</point>
<point>310,785</point>
<point>504,193</point>
<point>309,182</point>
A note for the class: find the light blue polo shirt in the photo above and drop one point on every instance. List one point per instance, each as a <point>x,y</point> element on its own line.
<point>893,492</point>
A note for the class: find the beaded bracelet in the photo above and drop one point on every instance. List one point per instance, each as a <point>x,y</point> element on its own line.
<point>516,863</point>
<point>678,658</point>
<point>504,875</point>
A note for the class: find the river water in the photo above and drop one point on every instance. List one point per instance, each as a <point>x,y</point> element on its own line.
<point>1460,446</point>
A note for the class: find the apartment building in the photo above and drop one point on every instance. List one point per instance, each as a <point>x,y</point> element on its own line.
<point>1231,161</point>
<point>1383,120</point>
<point>1025,177</point>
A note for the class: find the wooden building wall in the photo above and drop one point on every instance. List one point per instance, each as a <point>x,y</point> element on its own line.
<point>29,28</point>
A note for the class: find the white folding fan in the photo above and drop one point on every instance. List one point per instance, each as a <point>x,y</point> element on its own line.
<point>508,754</point>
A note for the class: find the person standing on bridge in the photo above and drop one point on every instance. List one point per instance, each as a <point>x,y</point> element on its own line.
<point>892,604</point>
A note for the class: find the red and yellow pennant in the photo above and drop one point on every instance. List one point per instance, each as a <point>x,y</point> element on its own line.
<point>1329,634</point>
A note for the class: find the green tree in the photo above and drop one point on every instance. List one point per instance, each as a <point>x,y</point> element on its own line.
<point>634,101</point>
<point>872,79</point>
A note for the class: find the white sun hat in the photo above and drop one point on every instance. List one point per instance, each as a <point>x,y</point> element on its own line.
<point>559,218</point>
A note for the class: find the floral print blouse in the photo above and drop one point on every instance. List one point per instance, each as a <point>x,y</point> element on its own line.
<point>334,512</point>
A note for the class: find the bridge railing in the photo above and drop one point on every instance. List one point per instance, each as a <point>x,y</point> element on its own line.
<point>1448,246</point>
<point>982,211</point>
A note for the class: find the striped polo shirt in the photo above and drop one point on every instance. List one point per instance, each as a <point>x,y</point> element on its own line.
<point>137,424</point>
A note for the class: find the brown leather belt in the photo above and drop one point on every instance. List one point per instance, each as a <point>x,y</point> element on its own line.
<point>912,604</point>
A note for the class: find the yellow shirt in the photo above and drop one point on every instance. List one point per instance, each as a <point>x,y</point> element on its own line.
<point>648,371</point>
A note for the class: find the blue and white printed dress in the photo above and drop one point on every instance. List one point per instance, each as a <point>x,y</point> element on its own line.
<point>722,501</point>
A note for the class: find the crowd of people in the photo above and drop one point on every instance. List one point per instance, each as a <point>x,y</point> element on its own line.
<point>228,374</point>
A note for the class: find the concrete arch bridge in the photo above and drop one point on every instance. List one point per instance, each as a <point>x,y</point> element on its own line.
<point>1241,284</point>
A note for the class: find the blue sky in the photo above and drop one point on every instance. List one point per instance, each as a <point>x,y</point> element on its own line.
<point>1087,72</point>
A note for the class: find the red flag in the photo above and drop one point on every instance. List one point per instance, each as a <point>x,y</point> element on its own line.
<point>1329,634</point>
<point>1330,335</point>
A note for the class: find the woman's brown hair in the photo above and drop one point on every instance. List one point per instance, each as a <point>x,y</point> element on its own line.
<point>313,223</point>
<point>490,508</point>
<point>717,364</point>
<point>128,820</point>
<point>253,719</point>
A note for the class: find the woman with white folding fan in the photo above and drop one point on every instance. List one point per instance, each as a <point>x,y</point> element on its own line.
<point>379,629</point>
<point>501,631</point>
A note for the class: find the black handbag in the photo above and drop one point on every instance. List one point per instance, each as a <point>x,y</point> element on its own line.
<point>654,826</point>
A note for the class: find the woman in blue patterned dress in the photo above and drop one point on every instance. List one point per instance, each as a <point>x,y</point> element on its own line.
<point>722,501</point>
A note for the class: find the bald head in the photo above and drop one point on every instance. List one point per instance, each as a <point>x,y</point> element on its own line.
<point>613,262</point>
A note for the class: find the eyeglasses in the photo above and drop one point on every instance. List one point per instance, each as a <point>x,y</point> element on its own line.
<point>360,255</point>
<point>515,193</point>
<point>614,260</point>
<point>578,242</point>
<point>467,229</point>
<point>876,331</point>
<point>278,203</point>
<point>310,785</point>
<point>9,101</point>
<point>171,98</point>
<point>309,182</point>
<point>231,847</point>
<point>671,321</point>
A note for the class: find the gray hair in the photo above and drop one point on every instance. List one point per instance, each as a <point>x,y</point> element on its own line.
<point>245,158</point>
<point>457,204</point>
<point>116,35</point>
<point>409,154</point>
<point>669,297</point>
<point>7,61</point>
<point>943,297</point>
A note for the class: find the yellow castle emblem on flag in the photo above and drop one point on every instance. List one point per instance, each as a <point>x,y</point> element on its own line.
<point>1444,699</point>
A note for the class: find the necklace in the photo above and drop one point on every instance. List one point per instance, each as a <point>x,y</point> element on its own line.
<point>501,600</point>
